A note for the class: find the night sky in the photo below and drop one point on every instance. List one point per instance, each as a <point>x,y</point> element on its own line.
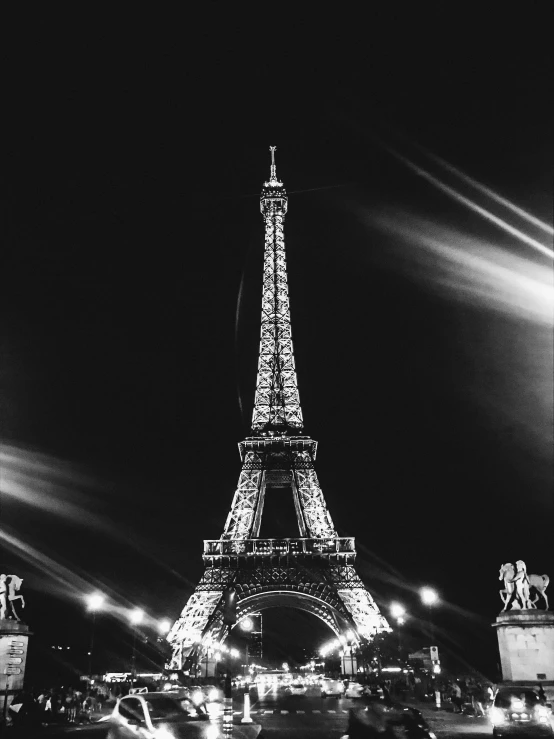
<point>131,291</point>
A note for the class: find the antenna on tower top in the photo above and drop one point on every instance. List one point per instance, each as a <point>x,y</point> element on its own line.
<point>273,174</point>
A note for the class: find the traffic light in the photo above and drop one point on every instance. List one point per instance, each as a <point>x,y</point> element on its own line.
<point>229,607</point>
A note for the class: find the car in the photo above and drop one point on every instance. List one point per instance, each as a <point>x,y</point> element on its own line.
<point>394,718</point>
<point>355,689</point>
<point>330,686</point>
<point>296,688</point>
<point>519,712</point>
<point>155,716</point>
<point>196,694</point>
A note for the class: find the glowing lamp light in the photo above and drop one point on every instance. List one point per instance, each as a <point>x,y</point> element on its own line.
<point>247,624</point>
<point>136,616</point>
<point>397,610</point>
<point>497,716</point>
<point>350,635</point>
<point>95,601</point>
<point>164,625</point>
<point>428,596</point>
<point>400,620</point>
<point>234,652</point>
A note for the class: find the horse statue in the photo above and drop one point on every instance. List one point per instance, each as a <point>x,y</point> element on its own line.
<point>522,583</point>
<point>13,586</point>
<point>506,573</point>
<point>540,583</point>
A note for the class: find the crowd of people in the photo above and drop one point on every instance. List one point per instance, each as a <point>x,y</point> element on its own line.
<point>58,705</point>
<point>469,696</point>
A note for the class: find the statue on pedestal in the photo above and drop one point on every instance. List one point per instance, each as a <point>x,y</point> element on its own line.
<point>518,584</point>
<point>3,596</point>
<point>9,586</point>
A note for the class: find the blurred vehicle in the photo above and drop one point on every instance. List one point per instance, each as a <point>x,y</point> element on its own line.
<point>155,716</point>
<point>330,686</point>
<point>392,719</point>
<point>374,692</point>
<point>519,712</point>
<point>296,688</point>
<point>213,694</point>
<point>196,694</point>
<point>355,689</point>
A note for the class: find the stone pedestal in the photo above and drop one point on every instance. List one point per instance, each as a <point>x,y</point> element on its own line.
<point>526,645</point>
<point>349,664</point>
<point>14,638</point>
<point>207,667</point>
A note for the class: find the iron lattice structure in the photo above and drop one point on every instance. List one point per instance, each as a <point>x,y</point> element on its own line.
<point>314,572</point>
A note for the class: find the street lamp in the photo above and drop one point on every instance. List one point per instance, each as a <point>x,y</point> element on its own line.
<point>136,617</point>
<point>430,598</point>
<point>164,625</point>
<point>95,602</point>
<point>398,612</point>
<point>247,625</point>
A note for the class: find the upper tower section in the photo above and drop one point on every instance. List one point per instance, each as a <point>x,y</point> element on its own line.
<point>277,402</point>
<point>274,197</point>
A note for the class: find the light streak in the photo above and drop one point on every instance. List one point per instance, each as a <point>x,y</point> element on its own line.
<point>473,269</point>
<point>471,204</point>
<point>489,192</point>
<point>56,487</point>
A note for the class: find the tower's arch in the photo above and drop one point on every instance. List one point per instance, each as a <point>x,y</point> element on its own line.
<point>319,607</point>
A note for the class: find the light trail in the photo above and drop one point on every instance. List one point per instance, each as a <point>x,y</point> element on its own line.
<point>471,204</point>
<point>489,192</point>
<point>58,488</point>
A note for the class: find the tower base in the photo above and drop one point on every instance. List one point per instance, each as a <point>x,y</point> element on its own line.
<point>14,639</point>
<point>526,645</point>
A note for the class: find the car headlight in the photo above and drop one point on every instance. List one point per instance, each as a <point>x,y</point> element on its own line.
<point>543,714</point>
<point>497,716</point>
<point>164,732</point>
<point>197,698</point>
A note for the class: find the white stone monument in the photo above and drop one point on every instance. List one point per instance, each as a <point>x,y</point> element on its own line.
<point>14,639</point>
<point>525,632</point>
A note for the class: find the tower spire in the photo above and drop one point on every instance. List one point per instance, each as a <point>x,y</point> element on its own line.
<point>272,175</point>
<point>277,401</point>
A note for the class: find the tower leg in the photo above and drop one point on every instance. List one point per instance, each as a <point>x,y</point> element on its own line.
<point>245,513</point>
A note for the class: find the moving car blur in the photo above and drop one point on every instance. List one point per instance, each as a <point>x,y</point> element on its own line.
<point>156,716</point>
<point>354,689</point>
<point>520,712</point>
<point>296,688</point>
<point>331,687</point>
<point>388,719</point>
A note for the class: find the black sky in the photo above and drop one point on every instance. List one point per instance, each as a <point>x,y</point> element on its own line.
<point>133,166</point>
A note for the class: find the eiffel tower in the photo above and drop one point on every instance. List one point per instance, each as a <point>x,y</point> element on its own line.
<point>313,572</point>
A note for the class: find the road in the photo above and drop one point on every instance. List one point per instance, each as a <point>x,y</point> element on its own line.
<point>304,717</point>
<point>312,717</point>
